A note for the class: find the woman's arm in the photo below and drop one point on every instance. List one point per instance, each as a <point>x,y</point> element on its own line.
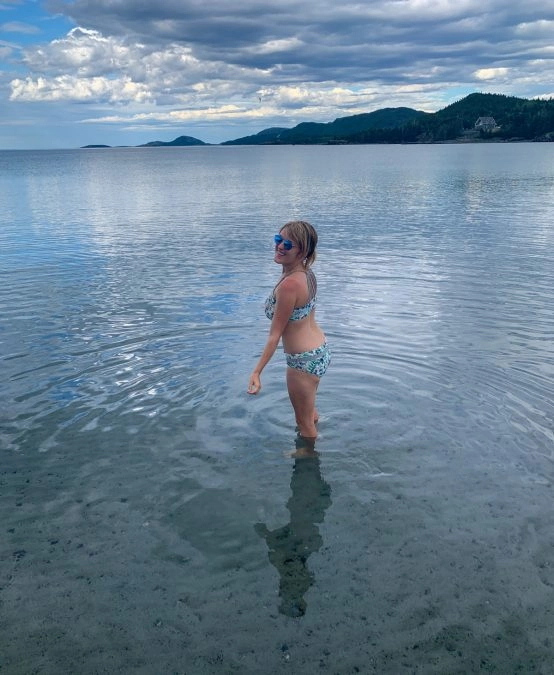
<point>285,301</point>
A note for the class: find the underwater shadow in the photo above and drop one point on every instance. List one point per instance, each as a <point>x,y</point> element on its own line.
<point>290,546</point>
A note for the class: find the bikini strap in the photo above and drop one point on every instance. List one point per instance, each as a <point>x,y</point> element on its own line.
<point>311,280</point>
<point>312,285</point>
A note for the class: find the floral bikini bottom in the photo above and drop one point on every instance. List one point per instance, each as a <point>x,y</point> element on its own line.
<point>314,362</point>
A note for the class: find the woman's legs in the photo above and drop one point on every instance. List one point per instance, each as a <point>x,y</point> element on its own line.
<point>302,391</point>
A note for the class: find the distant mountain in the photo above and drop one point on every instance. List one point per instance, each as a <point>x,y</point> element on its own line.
<point>515,118</point>
<point>328,132</point>
<point>178,142</point>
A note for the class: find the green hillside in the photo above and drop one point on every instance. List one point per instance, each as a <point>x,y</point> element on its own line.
<point>342,127</point>
<point>516,119</point>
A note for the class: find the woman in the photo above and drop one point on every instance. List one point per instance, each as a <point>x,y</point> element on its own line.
<point>291,308</point>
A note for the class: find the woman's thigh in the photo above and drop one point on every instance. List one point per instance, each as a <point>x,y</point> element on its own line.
<point>302,390</point>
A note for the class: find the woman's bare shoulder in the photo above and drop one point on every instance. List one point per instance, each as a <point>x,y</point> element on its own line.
<point>294,282</point>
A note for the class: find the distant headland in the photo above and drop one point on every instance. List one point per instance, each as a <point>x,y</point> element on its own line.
<point>181,141</point>
<point>475,118</point>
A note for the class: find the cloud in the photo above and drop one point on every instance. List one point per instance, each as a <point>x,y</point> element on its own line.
<point>491,73</point>
<point>68,88</point>
<point>279,62</point>
<point>112,69</point>
<point>540,29</point>
<point>19,27</point>
<point>275,46</point>
<point>325,41</point>
<point>83,50</point>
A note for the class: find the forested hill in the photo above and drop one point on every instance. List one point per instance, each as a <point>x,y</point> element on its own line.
<point>339,129</point>
<point>515,118</point>
<point>176,142</point>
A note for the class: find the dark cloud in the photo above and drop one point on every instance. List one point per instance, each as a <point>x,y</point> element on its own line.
<point>279,62</point>
<point>326,41</point>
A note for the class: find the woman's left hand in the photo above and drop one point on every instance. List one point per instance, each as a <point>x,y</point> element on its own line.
<point>254,384</point>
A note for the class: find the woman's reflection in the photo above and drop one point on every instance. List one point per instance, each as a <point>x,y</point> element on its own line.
<point>290,546</point>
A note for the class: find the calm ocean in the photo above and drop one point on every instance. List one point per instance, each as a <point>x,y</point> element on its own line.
<point>152,520</point>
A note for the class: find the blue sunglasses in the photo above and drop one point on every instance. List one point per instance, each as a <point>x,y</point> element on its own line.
<point>287,243</point>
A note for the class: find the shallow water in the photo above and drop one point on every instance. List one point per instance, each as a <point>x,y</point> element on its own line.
<point>153,520</point>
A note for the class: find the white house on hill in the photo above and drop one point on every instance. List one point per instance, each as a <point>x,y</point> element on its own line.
<point>486,124</point>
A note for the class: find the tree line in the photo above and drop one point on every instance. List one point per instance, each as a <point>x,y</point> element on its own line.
<point>516,119</point>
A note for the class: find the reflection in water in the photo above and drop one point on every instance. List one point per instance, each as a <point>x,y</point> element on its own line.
<point>290,546</point>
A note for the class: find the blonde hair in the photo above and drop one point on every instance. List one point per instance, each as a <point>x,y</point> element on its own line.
<point>305,236</point>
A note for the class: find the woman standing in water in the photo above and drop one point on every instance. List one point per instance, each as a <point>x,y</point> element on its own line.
<point>291,309</point>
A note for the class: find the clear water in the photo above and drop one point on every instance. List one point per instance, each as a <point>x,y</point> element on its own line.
<point>152,520</point>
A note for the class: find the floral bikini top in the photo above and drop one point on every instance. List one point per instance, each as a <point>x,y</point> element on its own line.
<point>298,312</point>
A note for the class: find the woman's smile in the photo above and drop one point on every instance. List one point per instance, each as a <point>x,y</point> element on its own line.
<point>281,253</point>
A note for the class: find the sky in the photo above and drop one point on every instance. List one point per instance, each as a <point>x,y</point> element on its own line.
<point>127,72</point>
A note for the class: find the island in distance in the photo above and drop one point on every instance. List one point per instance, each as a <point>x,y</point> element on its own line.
<point>477,117</point>
<point>181,141</point>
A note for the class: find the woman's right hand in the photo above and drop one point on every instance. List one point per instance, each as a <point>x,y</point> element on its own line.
<point>254,385</point>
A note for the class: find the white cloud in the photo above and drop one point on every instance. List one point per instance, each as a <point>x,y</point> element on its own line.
<point>224,112</point>
<point>85,50</point>
<point>276,46</point>
<point>164,75</point>
<point>5,50</point>
<point>541,28</point>
<point>491,73</point>
<point>68,88</point>
<point>19,27</point>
